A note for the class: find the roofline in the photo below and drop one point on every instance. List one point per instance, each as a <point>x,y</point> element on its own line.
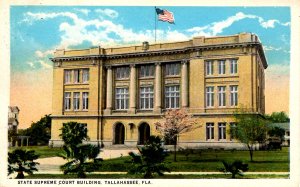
<point>166,51</point>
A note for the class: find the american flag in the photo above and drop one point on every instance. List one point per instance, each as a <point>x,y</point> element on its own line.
<point>165,15</point>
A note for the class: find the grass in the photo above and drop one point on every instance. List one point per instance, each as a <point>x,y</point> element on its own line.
<point>210,160</point>
<point>199,160</point>
<point>43,151</point>
<point>179,176</point>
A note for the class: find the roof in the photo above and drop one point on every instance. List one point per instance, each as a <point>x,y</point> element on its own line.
<point>196,44</point>
<point>13,108</point>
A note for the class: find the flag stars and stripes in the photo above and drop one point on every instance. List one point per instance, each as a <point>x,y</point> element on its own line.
<point>165,15</point>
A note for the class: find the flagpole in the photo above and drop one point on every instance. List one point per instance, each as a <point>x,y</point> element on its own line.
<point>155,24</point>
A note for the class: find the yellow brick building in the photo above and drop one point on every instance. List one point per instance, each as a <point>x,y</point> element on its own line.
<point>119,93</point>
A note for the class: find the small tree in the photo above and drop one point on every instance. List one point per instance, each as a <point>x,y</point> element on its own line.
<point>235,168</point>
<point>77,154</point>
<point>151,159</point>
<point>250,130</point>
<point>21,161</point>
<point>174,123</point>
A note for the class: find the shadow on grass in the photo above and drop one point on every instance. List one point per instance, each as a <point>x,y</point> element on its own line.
<point>206,160</point>
<point>269,162</point>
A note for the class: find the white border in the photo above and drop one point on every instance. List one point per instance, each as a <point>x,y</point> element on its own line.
<point>294,83</point>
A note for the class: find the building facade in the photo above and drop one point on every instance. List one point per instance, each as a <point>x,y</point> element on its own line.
<point>119,93</point>
<point>13,119</point>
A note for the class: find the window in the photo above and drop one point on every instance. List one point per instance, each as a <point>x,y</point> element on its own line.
<point>68,74</point>
<point>76,99</point>
<point>172,69</point>
<point>85,100</point>
<point>172,96</point>
<point>209,131</point>
<point>122,98</point>
<point>122,72</point>
<point>209,67</point>
<point>222,95</point>
<point>147,71</point>
<point>222,131</point>
<point>221,66</point>
<point>232,130</point>
<point>233,95</point>
<point>85,75</point>
<point>210,96</point>
<point>233,66</point>
<point>76,76</point>
<point>146,97</point>
<point>67,101</point>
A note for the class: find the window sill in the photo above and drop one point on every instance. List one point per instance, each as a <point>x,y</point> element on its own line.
<point>172,76</point>
<point>222,76</point>
<point>125,79</point>
<point>120,111</point>
<point>145,110</point>
<point>72,84</point>
<point>76,110</point>
<point>145,78</point>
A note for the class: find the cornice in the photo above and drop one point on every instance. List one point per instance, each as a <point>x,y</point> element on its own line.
<point>165,52</point>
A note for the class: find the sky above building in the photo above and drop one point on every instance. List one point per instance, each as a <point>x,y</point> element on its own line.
<point>36,31</point>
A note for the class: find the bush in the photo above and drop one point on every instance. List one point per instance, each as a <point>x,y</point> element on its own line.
<point>21,161</point>
<point>235,168</point>
<point>150,160</point>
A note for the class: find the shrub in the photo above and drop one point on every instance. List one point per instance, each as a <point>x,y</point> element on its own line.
<point>21,161</point>
<point>150,160</point>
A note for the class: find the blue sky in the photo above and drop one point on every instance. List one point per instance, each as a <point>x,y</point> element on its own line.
<point>38,30</point>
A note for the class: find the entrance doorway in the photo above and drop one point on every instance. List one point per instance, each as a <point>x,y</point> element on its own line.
<point>119,135</point>
<point>144,133</point>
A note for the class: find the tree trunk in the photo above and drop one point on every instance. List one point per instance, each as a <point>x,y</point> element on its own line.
<point>233,175</point>
<point>251,152</point>
<point>175,147</point>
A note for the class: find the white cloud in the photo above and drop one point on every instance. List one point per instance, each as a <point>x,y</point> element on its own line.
<point>44,54</point>
<point>216,28</point>
<point>271,48</point>
<point>269,23</point>
<point>31,64</point>
<point>31,17</point>
<point>107,33</point>
<point>82,10</point>
<point>108,12</point>
<point>45,64</point>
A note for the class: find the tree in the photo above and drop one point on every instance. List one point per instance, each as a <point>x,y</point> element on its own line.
<point>39,131</point>
<point>78,160</point>
<point>278,117</point>
<point>73,134</point>
<point>151,159</point>
<point>250,130</point>
<point>235,168</point>
<point>174,123</point>
<point>21,161</point>
<point>276,132</point>
<point>77,153</point>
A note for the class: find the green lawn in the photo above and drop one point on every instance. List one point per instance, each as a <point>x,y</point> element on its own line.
<point>43,151</point>
<point>210,160</point>
<point>205,160</point>
<point>179,176</point>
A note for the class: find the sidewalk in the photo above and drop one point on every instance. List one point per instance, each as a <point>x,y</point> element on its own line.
<point>52,164</point>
